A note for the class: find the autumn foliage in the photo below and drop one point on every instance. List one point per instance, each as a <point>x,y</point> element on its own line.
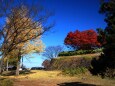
<point>82,40</point>
<point>46,63</point>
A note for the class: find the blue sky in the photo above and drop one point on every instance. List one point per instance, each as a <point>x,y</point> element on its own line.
<point>70,15</point>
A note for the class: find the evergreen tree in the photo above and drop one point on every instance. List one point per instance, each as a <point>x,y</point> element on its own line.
<point>105,65</point>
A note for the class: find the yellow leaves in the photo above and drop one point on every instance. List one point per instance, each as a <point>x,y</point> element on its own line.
<point>25,28</point>
<point>33,46</point>
<point>20,45</point>
<point>23,33</point>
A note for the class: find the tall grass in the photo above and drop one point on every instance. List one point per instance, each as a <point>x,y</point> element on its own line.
<point>74,71</point>
<point>6,82</point>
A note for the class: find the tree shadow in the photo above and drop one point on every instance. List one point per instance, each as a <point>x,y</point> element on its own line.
<point>75,84</point>
<point>2,78</point>
<point>26,72</point>
<point>11,73</point>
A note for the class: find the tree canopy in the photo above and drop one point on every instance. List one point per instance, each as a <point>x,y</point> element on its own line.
<point>105,65</point>
<point>22,29</point>
<point>82,40</point>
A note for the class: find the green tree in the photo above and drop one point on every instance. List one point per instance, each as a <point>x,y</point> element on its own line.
<point>105,65</point>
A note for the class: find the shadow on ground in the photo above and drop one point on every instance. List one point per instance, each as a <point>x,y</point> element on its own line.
<point>1,78</point>
<point>26,72</point>
<point>10,73</point>
<point>75,84</point>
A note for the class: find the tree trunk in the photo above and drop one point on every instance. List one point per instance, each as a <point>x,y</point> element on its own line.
<point>18,63</point>
<point>7,65</point>
<point>1,64</point>
<point>22,61</point>
<point>18,67</point>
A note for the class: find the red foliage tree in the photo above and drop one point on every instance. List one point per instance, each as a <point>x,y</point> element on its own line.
<point>82,40</point>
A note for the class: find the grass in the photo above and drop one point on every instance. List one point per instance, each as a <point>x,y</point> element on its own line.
<point>6,82</point>
<point>52,78</point>
<point>56,78</point>
<point>35,74</point>
<point>81,56</point>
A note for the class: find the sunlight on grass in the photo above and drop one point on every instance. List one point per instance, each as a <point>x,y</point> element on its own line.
<point>43,74</point>
<point>37,74</point>
<point>79,56</point>
<point>57,77</point>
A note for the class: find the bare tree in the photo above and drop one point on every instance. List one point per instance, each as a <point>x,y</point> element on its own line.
<point>25,22</point>
<point>52,51</point>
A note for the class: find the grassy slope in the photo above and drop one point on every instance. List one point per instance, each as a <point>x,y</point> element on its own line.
<point>85,56</point>
<point>72,61</point>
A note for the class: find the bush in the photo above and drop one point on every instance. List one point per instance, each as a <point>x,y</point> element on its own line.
<point>97,50</point>
<point>66,53</point>
<point>109,73</point>
<point>8,73</point>
<point>80,52</point>
<point>74,71</point>
<point>6,82</point>
<point>100,67</point>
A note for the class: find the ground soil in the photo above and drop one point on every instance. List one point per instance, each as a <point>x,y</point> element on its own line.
<point>54,78</point>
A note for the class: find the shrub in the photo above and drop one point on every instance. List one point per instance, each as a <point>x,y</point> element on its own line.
<point>79,52</point>
<point>100,67</point>
<point>109,73</point>
<point>66,53</point>
<point>8,73</point>
<point>74,71</point>
<point>6,82</point>
<point>97,50</point>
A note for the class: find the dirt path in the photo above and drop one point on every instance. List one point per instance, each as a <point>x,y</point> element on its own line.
<point>54,78</point>
<point>52,82</point>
